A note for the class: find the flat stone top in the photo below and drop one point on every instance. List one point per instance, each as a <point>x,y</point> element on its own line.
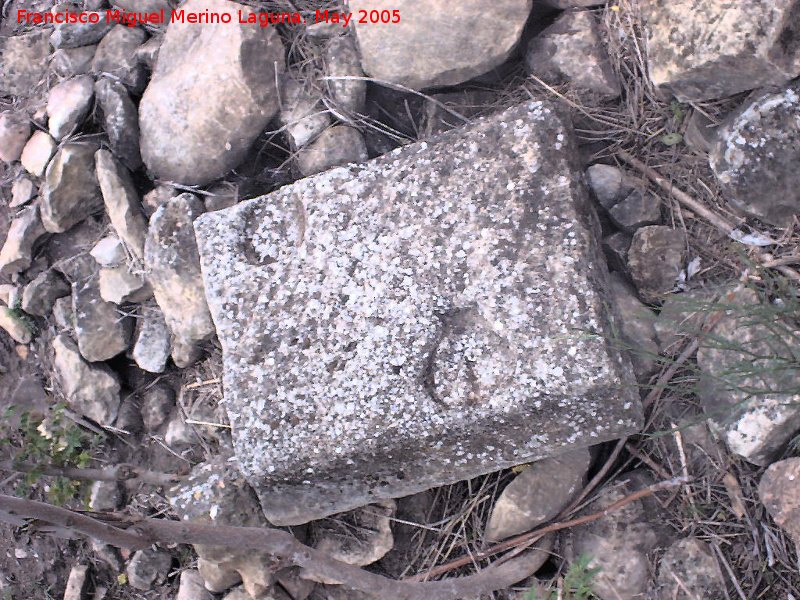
<point>429,316</point>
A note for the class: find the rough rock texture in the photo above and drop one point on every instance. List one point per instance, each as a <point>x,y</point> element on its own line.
<point>570,51</point>
<point>436,42</point>
<point>191,587</point>
<point>637,328</point>
<point>173,269</point>
<point>91,390</point>
<point>68,103</point>
<point>122,284</point>
<point>336,146</point>
<point>37,153</point>
<point>538,494</point>
<point>655,259</point>
<point>76,35</point>
<point>217,579</point>
<point>15,326</point>
<point>687,571</point>
<point>303,115</point>
<point>109,252</point>
<point>637,209</point>
<point>41,293</point>
<point>717,48</point>
<point>779,491</point>
<point>24,60</point>
<point>15,130</point>
<point>120,120</point>
<point>212,93</point>
<point>410,322</point>
<point>152,344</point>
<point>70,192</point>
<point>342,61</point>
<point>76,582</point>
<point>756,154</point>
<point>122,202</point>
<point>68,62</point>
<point>157,403</point>
<point>116,56</point>
<point>749,369</point>
<point>22,191</point>
<point>148,568</point>
<point>17,252</point>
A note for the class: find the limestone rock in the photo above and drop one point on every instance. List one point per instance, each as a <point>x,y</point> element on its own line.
<point>779,492</point>
<point>391,302</point>
<point>638,330</point>
<point>116,57</point>
<point>538,494</point>
<point>718,48</point>
<point>571,51</point>
<point>68,103</point>
<point>17,252</point>
<point>13,324</point>
<point>748,371</point>
<point>173,269</point>
<point>336,146</point>
<point>152,343</point>
<point>122,202</point>
<point>76,582</point>
<point>157,404</point>
<point>120,120</point>
<point>638,209</point>
<point>303,115</point>
<point>688,570</point>
<point>606,183</point>
<point>438,43</point>
<point>37,153</point>
<point>655,259</point>
<point>756,154</point>
<point>191,587</point>
<point>120,285</point>
<point>212,93</point>
<point>342,61</point>
<point>217,579</point>
<point>41,293</point>
<point>15,130</point>
<point>68,62</point>
<point>91,389</point>
<point>24,60</point>
<point>22,191</point>
<point>148,568</point>
<point>75,35</point>
<point>109,252</point>
<point>70,192</point>
<point>158,196</point>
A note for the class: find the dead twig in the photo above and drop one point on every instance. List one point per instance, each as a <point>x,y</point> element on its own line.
<point>119,472</point>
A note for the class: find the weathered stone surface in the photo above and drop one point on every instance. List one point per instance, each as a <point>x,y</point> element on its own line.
<point>147,53</point>
<point>158,196</point>
<point>606,183</point>
<point>68,103</point>
<point>152,344</point>
<point>91,390</point>
<point>342,62</point>
<point>40,294</point>
<point>105,495</point>
<point>173,269</point>
<point>13,324</point>
<point>157,404</point>
<point>75,35</point>
<point>779,491</point>
<point>121,284</point>
<point>15,130</point>
<point>17,253</point>
<point>714,49</point>
<point>109,252</point>
<point>24,60</point>
<point>637,209</point>
<point>688,570</point>
<point>217,579</point>
<point>655,259</point>
<point>120,120</point>
<point>63,315</point>
<point>191,587</point>
<point>336,146</point>
<point>212,93</point>
<point>406,323</point>
<point>70,192</point>
<point>37,153</point>
<point>748,371</point>
<point>615,247</point>
<point>68,62</point>
<point>756,155</point>
<point>116,56</point>
<point>637,328</point>
<point>570,51</point>
<point>303,115</point>
<point>438,43</point>
<point>148,568</point>
<point>22,191</point>
<point>538,494</point>
<point>122,202</point>
<point>76,582</point>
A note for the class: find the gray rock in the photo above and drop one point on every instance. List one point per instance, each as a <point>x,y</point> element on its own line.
<point>122,202</point>
<point>157,404</point>
<point>91,389</point>
<point>390,302</point>
<point>217,579</point>
<point>116,57</point>
<point>179,434</point>
<point>700,133</point>
<point>120,120</point>
<point>63,315</point>
<point>748,375</point>
<point>238,594</point>
<point>336,146</point>
<point>655,259</point>
<point>148,568</point>
<point>25,230</point>
<point>37,153</point>
<point>688,570</point>
<point>756,155</point>
<point>173,269</point>
<point>212,93</point>
<point>129,418</point>
<point>109,252</point>
<point>158,196</point>
<point>15,131</point>
<point>22,191</point>
<point>24,60</point>
<point>571,51</point>
<point>779,492</point>
<point>682,316</point>
<point>9,294</point>
<point>438,44</point>
<point>122,284</point>
<point>719,48</point>
<point>303,115</point>
<point>538,494</point>
<point>41,293</point>
<point>70,192</point>
<point>75,35</point>
<point>638,209</point>
<point>606,183</point>
<point>68,62</point>
<point>15,326</point>
<point>615,247</point>
<point>68,103</point>
<point>105,496</point>
<point>637,328</point>
<point>147,53</point>
<point>341,62</point>
<point>191,587</point>
<point>76,582</point>
<point>152,341</point>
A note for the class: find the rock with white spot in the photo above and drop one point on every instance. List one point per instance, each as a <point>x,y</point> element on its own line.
<point>571,51</point>
<point>336,146</point>
<point>748,371</point>
<point>191,587</point>
<point>109,252</point>
<point>655,260</point>
<point>122,202</point>
<point>25,230</point>
<point>41,293</point>
<point>70,192</point>
<point>303,115</point>
<point>116,57</point>
<point>687,571</point>
<point>120,120</point>
<point>22,191</point>
<point>12,322</point>
<point>68,103</point>
<point>90,389</point>
<point>212,93</point>
<point>105,495</point>
<point>76,582</point>
<point>37,153</point>
<point>68,62</point>
<point>347,87</point>
<point>148,568</point>
<point>15,130</point>
<point>756,154</point>
<point>121,284</point>
<point>779,492</point>
<point>396,312</point>
<point>24,60</point>
<point>438,43</point>
<point>151,346</point>
<point>718,48</point>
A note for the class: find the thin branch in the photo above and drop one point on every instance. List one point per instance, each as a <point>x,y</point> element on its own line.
<point>118,472</point>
